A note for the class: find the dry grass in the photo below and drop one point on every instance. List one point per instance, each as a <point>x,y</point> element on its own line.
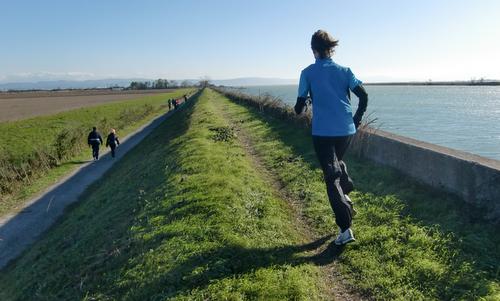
<point>22,105</point>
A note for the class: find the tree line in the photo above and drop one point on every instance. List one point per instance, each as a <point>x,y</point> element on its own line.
<point>159,84</point>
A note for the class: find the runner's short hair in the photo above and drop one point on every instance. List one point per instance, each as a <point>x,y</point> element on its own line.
<point>323,43</point>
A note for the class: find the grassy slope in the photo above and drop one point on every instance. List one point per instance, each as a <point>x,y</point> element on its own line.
<point>182,216</point>
<point>20,138</point>
<point>413,242</point>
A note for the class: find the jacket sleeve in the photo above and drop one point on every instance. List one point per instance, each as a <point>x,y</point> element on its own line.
<point>353,81</point>
<point>304,85</point>
<point>360,92</point>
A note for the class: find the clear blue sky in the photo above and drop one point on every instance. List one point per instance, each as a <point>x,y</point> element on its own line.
<point>176,39</point>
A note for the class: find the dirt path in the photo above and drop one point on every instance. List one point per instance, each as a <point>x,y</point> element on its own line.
<point>19,231</point>
<point>85,92</point>
<point>325,255</point>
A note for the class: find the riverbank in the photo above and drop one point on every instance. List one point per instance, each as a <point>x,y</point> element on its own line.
<point>229,203</point>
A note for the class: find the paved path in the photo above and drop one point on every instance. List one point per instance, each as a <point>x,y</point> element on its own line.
<point>19,231</point>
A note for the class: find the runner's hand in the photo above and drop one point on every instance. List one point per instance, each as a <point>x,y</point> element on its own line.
<point>299,106</point>
<point>357,121</point>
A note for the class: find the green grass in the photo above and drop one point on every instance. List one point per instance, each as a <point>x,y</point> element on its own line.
<point>184,216</point>
<point>24,140</point>
<point>413,242</point>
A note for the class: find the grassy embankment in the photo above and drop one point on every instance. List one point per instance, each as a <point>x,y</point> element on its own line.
<point>414,243</point>
<point>183,216</point>
<point>36,152</point>
<point>193,219</point>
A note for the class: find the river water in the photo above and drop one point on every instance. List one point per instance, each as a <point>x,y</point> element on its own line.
<point>466,118</point>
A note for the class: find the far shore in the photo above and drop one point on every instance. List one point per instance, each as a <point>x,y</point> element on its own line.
<point>439,83</point>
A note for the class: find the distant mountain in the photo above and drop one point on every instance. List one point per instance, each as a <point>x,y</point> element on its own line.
<point>254,81</point>
<point>125,82</point>
<point>68,84</point>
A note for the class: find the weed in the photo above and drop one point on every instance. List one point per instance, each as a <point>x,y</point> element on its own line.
<point>222,133</point>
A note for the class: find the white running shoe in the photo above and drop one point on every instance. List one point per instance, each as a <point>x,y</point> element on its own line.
<point>353,211</point>
<point>345,237</point>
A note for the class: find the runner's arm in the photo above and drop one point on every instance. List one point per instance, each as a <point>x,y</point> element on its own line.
<point>360,92</point>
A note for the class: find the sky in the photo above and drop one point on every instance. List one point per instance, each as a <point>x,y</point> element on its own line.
<point>383,40</point>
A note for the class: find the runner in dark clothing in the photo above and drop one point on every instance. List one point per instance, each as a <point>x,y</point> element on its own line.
<point>112,141</point>
<point>94,140</point>
<point>185,98</point>
<point>175,104</point>
<point>333,124</point>
<point>169,104</point>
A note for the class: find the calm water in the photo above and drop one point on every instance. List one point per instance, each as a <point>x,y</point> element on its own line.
<point>464,118</point>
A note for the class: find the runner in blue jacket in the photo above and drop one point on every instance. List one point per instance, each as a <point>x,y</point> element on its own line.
<point>333,124</point>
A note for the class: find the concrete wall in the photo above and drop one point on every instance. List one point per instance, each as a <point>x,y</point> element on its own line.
<point>474,178</point>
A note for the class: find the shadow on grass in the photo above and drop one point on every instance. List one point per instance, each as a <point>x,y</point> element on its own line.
<point>232,260</point>
<point>76,162</point>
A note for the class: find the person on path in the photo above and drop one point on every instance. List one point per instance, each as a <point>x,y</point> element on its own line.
<point>169,104</point>
<point>112,141</point>
<point>333,125</point>
<point>176,104</point>
<point>94,140</point>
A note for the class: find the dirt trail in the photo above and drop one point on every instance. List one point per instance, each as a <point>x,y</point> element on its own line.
<point>325,255</point>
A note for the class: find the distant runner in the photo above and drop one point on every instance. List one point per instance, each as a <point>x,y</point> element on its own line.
<point>169,104</point>
<point>94,140</point>
<point>333,124</point>
<point>176,104</point>
<point>112,141</point>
